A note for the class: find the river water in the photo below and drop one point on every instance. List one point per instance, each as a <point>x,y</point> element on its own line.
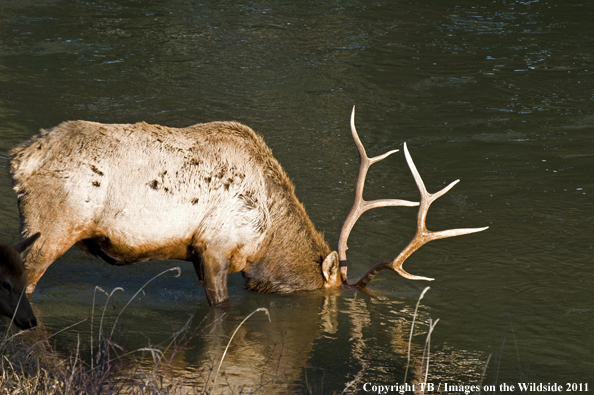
<point>496,93</point>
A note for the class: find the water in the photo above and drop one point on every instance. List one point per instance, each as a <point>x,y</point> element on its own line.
<point>496,93</point>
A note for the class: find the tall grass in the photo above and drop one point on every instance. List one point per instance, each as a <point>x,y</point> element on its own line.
<point>30,364</point>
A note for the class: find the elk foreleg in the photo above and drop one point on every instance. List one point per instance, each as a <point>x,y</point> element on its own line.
<point>212,270</point>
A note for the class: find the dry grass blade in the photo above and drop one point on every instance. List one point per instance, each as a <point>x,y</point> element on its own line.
<point>412,328</point>
<point>214,385</point>
<point>177,269</point>
<point>105,309</point>
<point>97,288</point>
<point>69,383</point>
<point>483,374</point>
<point>428,346</point>
<point>14,315</point>
<point>54,334</point>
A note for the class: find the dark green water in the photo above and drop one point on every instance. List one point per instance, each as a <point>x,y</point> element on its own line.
<point>496,93</point>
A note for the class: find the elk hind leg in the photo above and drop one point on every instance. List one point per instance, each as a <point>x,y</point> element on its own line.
<point>43,253</point>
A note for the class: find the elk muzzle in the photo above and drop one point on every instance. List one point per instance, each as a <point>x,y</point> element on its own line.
<point>16,306</point>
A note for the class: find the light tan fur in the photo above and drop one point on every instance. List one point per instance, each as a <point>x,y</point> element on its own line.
<point>210,193</point>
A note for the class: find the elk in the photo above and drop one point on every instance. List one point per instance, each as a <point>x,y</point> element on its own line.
<point>13,282</point>
<point>212,194</point>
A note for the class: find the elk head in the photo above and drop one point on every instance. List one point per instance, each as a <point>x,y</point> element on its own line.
<point>13,282</point>
<point>360,205</point>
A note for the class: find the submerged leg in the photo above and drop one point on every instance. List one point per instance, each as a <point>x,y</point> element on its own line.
<point>212,271</point>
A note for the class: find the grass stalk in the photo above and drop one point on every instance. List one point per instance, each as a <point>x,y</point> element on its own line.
<point>354,381</point>
<point>427,347</point>
<point>52,335</point>
<point>92,319</point>
<point>177,269</point>
<point>214,385</point>
<point>516,344</point>
<point>412,327</point>
<point>498,359</point>
<point>14,315</point>
<point>105,309</point>
<point>483,374</point>
<point>69,383</point>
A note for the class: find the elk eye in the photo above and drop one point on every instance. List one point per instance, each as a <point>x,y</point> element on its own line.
<point>6,286</point>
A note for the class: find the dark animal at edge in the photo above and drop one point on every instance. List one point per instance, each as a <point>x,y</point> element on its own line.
<point>13,282</point>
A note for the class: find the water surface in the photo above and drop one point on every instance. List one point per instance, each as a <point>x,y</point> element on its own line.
<point>498,94</point>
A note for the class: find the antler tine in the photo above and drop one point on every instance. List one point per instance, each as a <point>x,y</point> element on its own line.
<point>359,204</point>
<point>422,236</point>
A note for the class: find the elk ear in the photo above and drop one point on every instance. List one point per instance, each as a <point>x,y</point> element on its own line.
<point>330,268</point>
<point>24,246</point>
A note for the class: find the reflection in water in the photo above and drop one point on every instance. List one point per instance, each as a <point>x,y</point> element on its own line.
<point>277,356</point>
<point>314,340</point>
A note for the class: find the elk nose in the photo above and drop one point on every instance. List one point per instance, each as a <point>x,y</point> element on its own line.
<point>32,322</point>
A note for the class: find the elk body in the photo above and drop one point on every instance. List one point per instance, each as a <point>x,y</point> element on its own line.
<point>13,282</point>
<point>211,193</point>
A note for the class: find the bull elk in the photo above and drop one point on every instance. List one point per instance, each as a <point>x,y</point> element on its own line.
<point>13,281</point>
<point>212,194</point>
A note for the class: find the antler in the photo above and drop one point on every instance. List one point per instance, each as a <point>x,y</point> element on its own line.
<point>422,236</point>
<point>359,204</point>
